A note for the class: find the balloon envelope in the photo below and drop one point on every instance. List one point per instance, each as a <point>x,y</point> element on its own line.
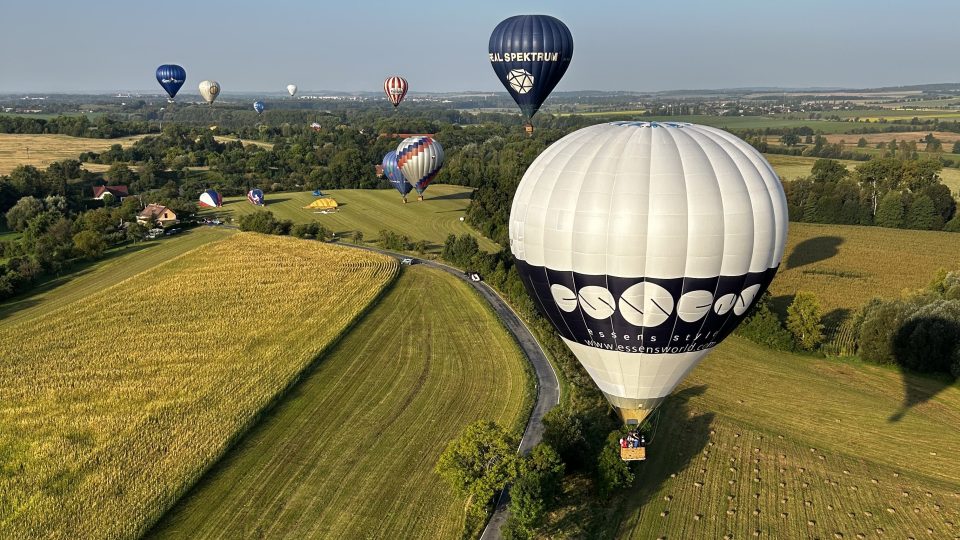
<point>645,244</point>
<point>395,88</point>
<point>255,196</point>
<point>291,89</point>
<point>171,77</point>
<point>530,54</point>
<point>210,199</point>
<point>419,159</point>
<point>209,90</point>
<point>258,106</point>
<point>393,173</point>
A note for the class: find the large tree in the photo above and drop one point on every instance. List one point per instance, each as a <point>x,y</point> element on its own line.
<point>804,320</point>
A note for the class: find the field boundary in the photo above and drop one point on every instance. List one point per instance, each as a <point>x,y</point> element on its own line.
<point>280,396</point>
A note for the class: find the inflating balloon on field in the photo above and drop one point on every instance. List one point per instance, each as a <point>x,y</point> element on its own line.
<point>419,159</point>
<point>393,173</point>
<point>645,244</point>
<point>210,199</point>
<point>255,196</point>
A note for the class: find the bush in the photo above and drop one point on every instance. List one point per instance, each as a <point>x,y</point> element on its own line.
<point>763,327</point>
<point>881,321</point>
<point>929,339</point>
<point>313,230</point>
<point>89,244</point>
<point>612,472</point>
<point>262,221</point>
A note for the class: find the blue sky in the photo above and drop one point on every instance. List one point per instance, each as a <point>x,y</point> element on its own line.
<point>98,45</point>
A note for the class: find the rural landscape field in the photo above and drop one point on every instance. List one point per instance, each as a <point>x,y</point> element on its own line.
<point>336,271</point>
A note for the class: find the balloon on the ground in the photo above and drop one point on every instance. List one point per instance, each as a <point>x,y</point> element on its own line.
<point>209,90</point>
<point>396,89</point>
<point>419,159</point>
<point>211,199</point>
<point>393,173</point>
<point>258,106</point>
<point>291,89</point>
<point>530,54</point>
<point>171,77</point>
<point>645,244</point>
<point>255,196</point>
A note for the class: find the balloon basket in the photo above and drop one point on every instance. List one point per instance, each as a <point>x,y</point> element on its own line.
<point>420,198</point>
<point>529,129</point>
<point>633,454</point>
<point>404,200</point>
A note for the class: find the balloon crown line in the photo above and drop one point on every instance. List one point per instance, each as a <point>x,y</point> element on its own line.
<point>677,125</point>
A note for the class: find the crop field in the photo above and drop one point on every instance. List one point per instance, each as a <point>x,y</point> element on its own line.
<point>112,406</point>
<point>846,265</point>
<point>42,150</point>
<point>874,138</point>
<point>370,210</point>
<point>116,267</point>
<point>793,167</point>
<point>350,453</point>
<point>765,444</point>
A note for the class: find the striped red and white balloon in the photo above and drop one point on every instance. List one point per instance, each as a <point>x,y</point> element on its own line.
<point>396,89</point>
<point>419,159</point>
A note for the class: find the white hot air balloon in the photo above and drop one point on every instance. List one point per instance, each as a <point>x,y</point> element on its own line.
<point>645,244</point>
<point>209,90</point>
<point>291,89</point>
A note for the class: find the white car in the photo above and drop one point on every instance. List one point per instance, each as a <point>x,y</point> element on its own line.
<point>407,261</point>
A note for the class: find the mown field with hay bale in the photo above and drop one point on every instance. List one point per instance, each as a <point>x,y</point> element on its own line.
<point>113,405</point>
<point>42,150</point>
<point>764,444</point>
<point>350,453</point>
<point>372,210</point>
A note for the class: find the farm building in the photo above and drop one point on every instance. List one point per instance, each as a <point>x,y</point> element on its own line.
<point>117,191</point>
<point>156,213</point>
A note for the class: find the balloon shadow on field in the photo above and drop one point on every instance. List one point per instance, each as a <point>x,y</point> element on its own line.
<point>679,437</point>
<point>449,196</point>
<point>812,250</point>
<point>924,338</point>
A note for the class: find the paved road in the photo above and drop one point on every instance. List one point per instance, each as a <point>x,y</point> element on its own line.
<point>548,388</point>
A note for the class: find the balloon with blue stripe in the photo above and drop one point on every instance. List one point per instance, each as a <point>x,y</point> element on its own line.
<point>420,159</point>
<point>171,77</point>
<point>393,173</point>
<point>258,106</point>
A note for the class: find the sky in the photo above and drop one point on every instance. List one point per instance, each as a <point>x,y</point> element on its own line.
<point>441,46</point>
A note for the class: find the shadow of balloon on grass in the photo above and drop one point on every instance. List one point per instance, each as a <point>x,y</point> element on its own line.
<point>813,250</point>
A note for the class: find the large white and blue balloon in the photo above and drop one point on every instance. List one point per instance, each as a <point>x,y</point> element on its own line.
<point>171,77</point>
<point>645,244</point>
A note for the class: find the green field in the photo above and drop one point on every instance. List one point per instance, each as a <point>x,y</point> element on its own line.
<point>370,211</point>
<point>734,122</point>
<point>113,405</point>
<point>350,453</point>
<point>846,265</point>
<point>793,167</point>
<point>758,443</point>
<point>116,267</point>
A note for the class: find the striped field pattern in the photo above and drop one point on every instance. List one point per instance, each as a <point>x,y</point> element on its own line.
<point>113,405</point>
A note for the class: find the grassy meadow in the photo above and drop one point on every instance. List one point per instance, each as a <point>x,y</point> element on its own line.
<point>764,444</point>
<point>113,405</point>
<point>350,452</point>
<point>847,265</point>
<point>42,150</point>
<point>371,210</point>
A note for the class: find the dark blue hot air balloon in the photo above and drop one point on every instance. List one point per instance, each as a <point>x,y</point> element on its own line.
<point>393,173</point>
<point>171,77</point>
<point>530,54</point>
<point>258,106</point>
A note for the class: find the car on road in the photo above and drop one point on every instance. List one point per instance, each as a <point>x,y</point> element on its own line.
<point>407,261</point>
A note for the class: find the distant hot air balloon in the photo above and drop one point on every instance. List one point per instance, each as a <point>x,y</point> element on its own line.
<point>420,159</point>
<point>396,89</point>
<point>171,77</point>
<point>211,199</point>
<point>645,244</point>
<point>530,54</point>
<point>393,173</point>
<point>258,106</point>
<point>209,90</point>
<point>291,89</point>
<point>255,196</point>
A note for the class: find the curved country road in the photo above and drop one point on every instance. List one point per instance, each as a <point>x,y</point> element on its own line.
<point>548,387</point>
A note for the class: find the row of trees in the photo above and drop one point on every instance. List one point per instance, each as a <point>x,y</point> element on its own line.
<point>104,127</point>
<point>887,192</point>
